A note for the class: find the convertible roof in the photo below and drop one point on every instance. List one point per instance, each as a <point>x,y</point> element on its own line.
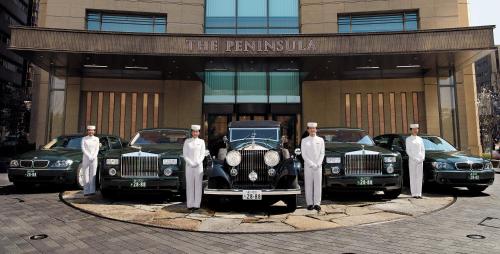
<point>255,124</point>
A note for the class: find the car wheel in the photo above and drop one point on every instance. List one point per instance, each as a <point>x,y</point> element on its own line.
<point>291,203</point>
<point>80,177</point>
<point>477,189</point>
<point>392,194</point>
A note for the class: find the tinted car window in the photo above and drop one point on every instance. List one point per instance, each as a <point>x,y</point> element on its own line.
<point>65,142</point>
<point>346,136</point>
<point>115,143</point>
<point>151,137</point>
<point>437,144</point>
<point>253,133</point>
<point>382,141</point>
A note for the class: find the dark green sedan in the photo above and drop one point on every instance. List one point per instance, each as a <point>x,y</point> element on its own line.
<point>59,161</point>
<point>444,164</point>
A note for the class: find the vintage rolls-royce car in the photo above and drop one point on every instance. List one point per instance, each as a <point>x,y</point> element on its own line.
<point>254,165</point>
<point>353,162</point>
<point>444,164</point>
<point>151,161</point>
<point>59,161</point>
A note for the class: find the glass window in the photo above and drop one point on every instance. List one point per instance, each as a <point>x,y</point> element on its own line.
<point>219,87</point>
<point>126,23</point>
<point>448,105</point>
<point>361,23</point>
<point>284,87</point>
<point>252,17</point>
<point>115,143</point>
<point>251,87</point>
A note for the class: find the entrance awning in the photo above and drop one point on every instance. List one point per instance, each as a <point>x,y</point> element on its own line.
<point>181,56</point>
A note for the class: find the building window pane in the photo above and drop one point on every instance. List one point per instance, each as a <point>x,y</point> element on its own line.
<point>252,31</point>
<point>126,23</point>
<point>284,31</point>
<point>252,13</point>
<point>219,87</point>
<point>378,22</point>
<point>251,87</point>
<point>284,87</point>
<point>446,95</point>
<point>283,13</point>
<point>220,31</point>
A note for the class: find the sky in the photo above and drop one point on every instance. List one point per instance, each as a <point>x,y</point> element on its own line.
<point>485,12</point>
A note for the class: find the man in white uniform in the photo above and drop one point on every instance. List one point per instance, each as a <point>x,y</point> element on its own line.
<point>313,152</point>
<point>416,155</point>
<point>194,153</point>
<point>90,149</point>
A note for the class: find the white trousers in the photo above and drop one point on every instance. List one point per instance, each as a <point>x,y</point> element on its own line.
<point>194,184</point>
<point>89,169</point>
<point>416,175</point>
<point>312,185</point>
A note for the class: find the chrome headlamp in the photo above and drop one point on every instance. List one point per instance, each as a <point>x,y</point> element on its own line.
<point>14,163</point>
<point>488,165</point>
<point>272,158</point>
<point>62,163</point>
<point>439,165</point>
<point>233,158</point>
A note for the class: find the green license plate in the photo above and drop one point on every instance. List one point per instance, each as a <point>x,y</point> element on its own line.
<point>30,173</point>
<point>473,176</point>
<point>363,181</point>
<point>138,183</point>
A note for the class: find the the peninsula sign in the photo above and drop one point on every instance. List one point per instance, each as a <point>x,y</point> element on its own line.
<point>250,45</point>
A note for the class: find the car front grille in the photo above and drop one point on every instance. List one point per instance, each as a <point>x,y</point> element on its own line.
<point>469,166</point>
<point>40,163</point>
<point>251,160</point>
<point>359,164</point>
<point>139,166</point>
<point>26,163</point>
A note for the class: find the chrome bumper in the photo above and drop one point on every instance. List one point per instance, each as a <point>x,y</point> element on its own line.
<point>239,192</point>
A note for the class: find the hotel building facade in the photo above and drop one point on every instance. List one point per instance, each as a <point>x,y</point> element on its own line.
<point>378,65</point>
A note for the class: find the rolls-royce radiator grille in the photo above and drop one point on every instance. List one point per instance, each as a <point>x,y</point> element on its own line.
<point>358,164</point>
<point>139,166</point>
<point>252,160</point>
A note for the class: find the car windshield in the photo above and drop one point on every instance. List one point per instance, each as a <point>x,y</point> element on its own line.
<point>152,137</point>
<point>346,136</point>
<point>237,134</point>
<point>437,144</point>
<point>65,142</point>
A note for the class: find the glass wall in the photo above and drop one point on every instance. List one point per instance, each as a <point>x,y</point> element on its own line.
<point>252,87</point>
<point>360,23</point>
<point>99,21</point>
<point>57,100</point>
<point>252,17</point>
<point>448,105</point>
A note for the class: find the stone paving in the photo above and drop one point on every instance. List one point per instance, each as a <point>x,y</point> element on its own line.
<point>40,211</point>
<point>174,215</point>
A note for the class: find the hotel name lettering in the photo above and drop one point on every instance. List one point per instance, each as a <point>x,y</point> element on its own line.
<point>251,46</point>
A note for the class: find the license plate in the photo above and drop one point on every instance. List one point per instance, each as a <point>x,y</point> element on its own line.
<point>30,173</point>
<point>473,176</point>
<point>365,181</point>
<point>138,183</point>
<point>252,195</point>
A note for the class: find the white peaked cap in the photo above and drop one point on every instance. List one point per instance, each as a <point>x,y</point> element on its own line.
<point>195,127</point>
<point>91,127</point>
<point>414,126</point>
<point>312,125</point>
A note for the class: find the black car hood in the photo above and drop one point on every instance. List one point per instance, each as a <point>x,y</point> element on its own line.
<point>162,150</point>
<point>53,154</point>
<point>351,147</point>
<point>452,157</point>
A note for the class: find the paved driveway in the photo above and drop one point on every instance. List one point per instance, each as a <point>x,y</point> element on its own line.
<point>41,212</point>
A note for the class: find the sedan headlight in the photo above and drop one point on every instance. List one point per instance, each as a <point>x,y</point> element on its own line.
<point>333,160</point>
<point>14,163</point>
<point>272,158</point>
<point>62,163</point>
<point>112,161</point>
<point>390,159</point>
<point>390,169</point>
<point>439,165</point>
<point>169,161</point>
<point>488,165</point>
<point>233,158</point>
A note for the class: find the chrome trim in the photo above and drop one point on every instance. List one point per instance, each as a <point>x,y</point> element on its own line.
<point>239,192</point>
<point>252,160</point>
<point>139,166</point>
<point>30,165</point>
<point>470,165</point>
<point>367,164</point>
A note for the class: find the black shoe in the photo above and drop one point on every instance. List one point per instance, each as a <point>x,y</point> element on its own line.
<point>317,208</point>
<point>310,207</point>
<point>419,197</point>
<point>196,208</point>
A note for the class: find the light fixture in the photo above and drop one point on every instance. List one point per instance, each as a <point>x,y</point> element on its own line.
<point>368,67</point>
<point>408,66</point>
<point>94,66</point>
<point>136,67</point>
